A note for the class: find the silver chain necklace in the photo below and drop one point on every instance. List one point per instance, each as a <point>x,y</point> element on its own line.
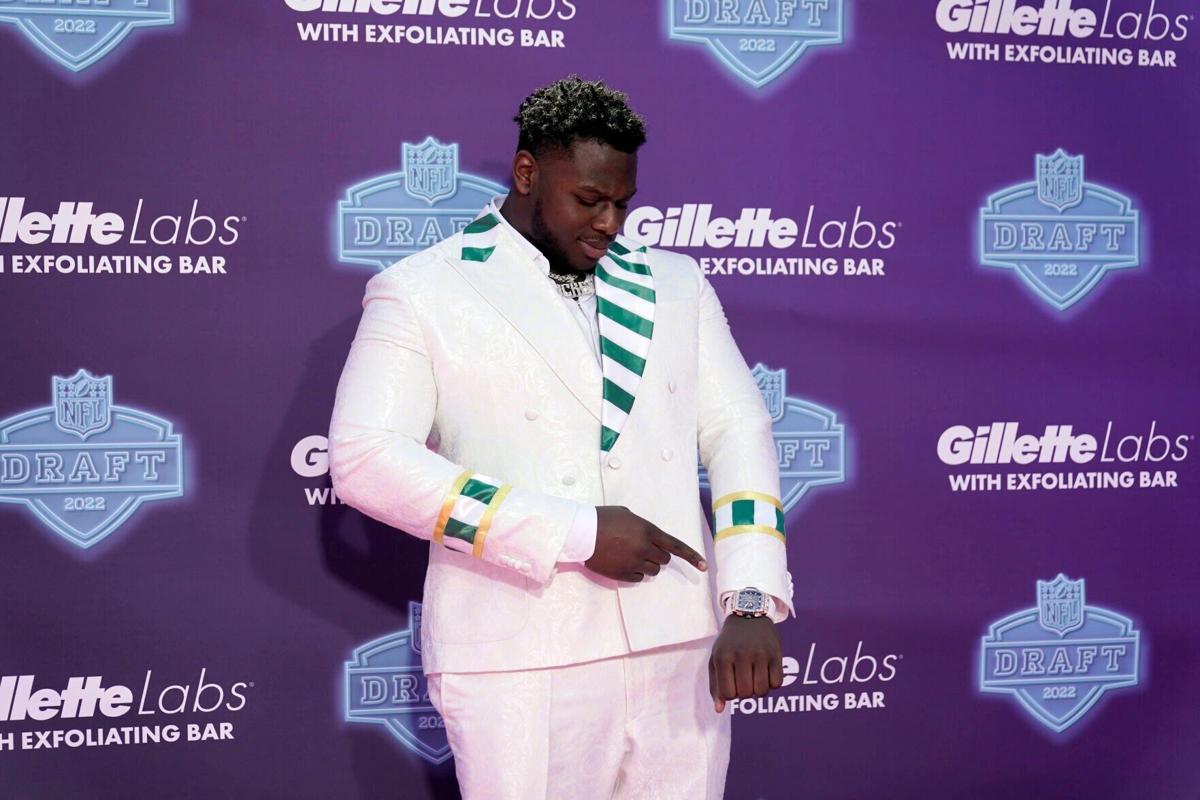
<point>574,286</point>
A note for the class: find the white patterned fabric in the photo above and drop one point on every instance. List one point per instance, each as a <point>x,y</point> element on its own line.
<point>635,727</point>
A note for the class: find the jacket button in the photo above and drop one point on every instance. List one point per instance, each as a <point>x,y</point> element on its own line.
<point>668,454</point>
<point>532,414</point>
<point>568,479</point>
<point>614,463</point>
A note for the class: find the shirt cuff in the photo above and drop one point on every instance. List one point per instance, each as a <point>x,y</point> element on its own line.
<point>777,611</point>
<point>581,539</point>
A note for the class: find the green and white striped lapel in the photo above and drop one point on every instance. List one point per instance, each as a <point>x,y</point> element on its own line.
<point>625,313</point>
<point>479,238</point>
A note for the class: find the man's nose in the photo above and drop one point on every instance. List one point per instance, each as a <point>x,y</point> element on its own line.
<point>608,220</point>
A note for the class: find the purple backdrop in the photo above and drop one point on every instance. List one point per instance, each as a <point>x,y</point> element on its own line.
<point>1068,301</point>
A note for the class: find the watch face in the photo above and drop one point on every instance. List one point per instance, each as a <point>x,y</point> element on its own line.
<point>751,601</point>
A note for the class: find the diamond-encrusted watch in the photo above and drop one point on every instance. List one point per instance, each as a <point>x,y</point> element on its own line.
<point>750,602</point>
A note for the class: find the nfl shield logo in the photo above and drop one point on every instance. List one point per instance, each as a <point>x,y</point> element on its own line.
<point>1060,605</point>
<point>1060,180</point>
<point>773,385</point>
<point>78,34</point>
<point>82,404</point>
<point>430,169</point>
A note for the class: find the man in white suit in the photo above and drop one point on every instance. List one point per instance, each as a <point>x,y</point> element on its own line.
<point>530,395</point>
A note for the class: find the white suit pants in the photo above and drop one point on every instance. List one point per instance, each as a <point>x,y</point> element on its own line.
<point>635,726</point>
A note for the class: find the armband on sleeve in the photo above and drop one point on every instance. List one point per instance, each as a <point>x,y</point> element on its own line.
<point>467,512</point>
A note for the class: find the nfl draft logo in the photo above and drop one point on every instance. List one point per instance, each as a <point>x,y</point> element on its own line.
<point>1060,605</point>
<point>83,465</point>
<point>1060,234</point>
<point>385,685</point>
<point>809,442</point>
<point>1060,180</point>
<point>82,404</point>
<point>395,215</point>
<point>757,40</point>
<point>78,33</point>
<point>430,169</point>
<point>1059,658</point>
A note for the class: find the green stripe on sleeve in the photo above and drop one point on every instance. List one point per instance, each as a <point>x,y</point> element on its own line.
<point>743,512</point>
<point>460,530</point>
<point>478,490</point>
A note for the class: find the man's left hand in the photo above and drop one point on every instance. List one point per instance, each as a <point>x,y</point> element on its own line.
<point>747,660</point>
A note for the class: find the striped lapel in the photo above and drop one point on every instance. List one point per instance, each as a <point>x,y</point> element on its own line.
<point>479,238</point>
<point>625,313</point>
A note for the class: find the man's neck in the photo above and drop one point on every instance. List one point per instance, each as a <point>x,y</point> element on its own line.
<point>520,217</point>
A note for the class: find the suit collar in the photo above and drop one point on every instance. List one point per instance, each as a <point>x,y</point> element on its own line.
<point>503,273</point>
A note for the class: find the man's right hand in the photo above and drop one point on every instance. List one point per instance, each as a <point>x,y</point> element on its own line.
<point>628,548</point>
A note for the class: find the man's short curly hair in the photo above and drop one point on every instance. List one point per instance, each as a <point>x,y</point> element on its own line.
<point>571,110</point>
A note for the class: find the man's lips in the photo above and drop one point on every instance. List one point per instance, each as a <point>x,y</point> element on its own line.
<point>595,249</point>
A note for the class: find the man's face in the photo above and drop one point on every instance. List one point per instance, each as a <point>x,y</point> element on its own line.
<point>580,200</point>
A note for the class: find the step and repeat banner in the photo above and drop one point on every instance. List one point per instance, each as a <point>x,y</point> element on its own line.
<point>956,239</point>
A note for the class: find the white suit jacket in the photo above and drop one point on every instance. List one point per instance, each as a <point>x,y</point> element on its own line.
<point>472,412</point>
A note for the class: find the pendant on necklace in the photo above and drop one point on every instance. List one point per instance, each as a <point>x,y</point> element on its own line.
<point>573,287</point>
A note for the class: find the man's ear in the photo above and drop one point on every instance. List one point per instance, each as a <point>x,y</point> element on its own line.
<point>524,172</point>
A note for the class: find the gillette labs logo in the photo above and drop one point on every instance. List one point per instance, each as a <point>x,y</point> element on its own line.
<point>1003,443</point>
<point>1060,18</point>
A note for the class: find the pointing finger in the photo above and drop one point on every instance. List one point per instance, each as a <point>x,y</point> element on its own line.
<point>657,554</point>
<point>675,547</point>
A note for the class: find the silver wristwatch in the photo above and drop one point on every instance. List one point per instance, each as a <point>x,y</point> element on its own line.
<point>750,602</point>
